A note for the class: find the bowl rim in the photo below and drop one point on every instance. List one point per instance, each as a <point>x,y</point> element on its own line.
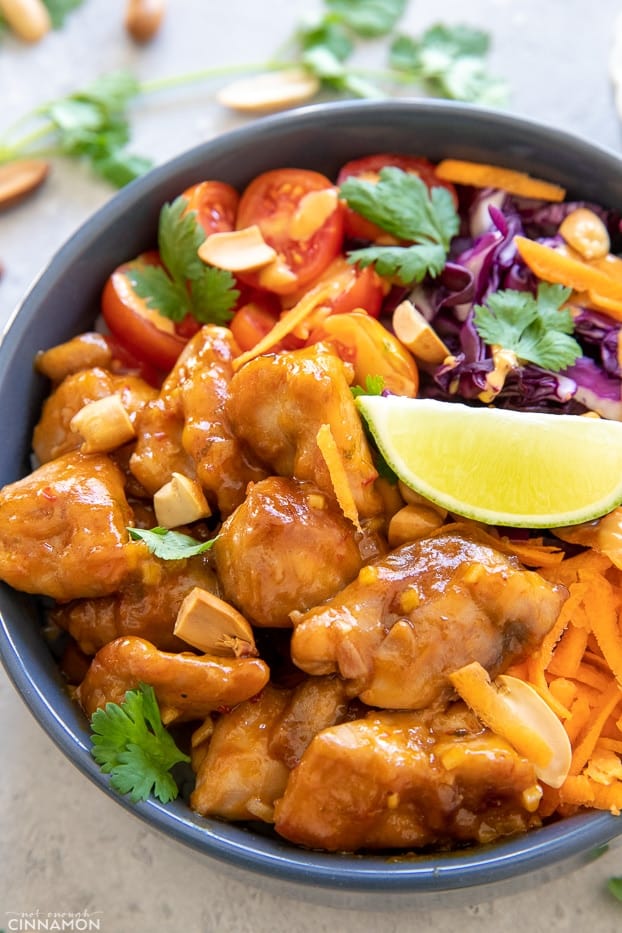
<point>537,850</point>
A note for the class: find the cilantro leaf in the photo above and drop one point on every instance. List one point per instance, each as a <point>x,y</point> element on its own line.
<point>213,296</point>
<point>374,385</point>
<point>170,545</point>
<point>159,291</point>
<point>614,886</point>
<point>368,18</point>
<point>405,263</point>
<point>402,204</point>
<point>326,34</point>
<point>451,61</point>
<point>131,744</point>
<point>325,65</point>
<point>537,329</point>
<point>92,124</point>
<point>183,284</point>
<point>59,10</point>
<point>179,238</point>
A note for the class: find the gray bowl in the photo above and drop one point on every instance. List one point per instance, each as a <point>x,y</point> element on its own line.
<point>65,300</point>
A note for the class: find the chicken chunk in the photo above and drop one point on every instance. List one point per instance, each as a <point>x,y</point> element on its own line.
<point>238,778</point>
<point>158,452</point>
<point>146,605</point>
<point>63,529</point>
<point>82,352</point>
<point>425,610</point>
<point>187,430</point>
<point>287,547</point>
<point>187,686</point>
<point>53,436</point>
<point>407,780</point>
<point>278,403</point>
<point>253,748</point>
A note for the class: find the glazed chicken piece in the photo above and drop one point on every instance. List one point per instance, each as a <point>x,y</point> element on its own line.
<point>287,547</point>
<point>158,452</point>
<point>187,686</point>
<point>85,351</point>
<point>252,748</point>
<point>407,780</point>
<point>425,610</point>
<point>63,529</point>
<point>187,430</point>
<point>238,778</point>
<point>278,403</point>
<point>315,704</point>
<point>146,605</point>
<point>53,436</point>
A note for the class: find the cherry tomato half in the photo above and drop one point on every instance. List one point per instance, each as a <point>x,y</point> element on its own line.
<point>302,224</point>
<point>143,331</point>
<point>216,204</point>
<point>256,315</point>
<point>351,287</point>
<point>368,168</point>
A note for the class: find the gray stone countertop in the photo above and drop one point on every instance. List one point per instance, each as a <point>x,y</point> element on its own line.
<point>66,848</point>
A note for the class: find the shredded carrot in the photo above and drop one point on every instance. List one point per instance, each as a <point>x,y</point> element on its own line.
<point>555,265</point>
<point>483,175</point>
<point>564,691</point>
<point>338,475</point>
<point>287,323</point>
<point>566,657</point>
<point>580,713</point>
<point>607,630</point>
<point>584,749</point>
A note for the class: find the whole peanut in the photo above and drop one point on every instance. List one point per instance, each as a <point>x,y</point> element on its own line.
<point>29,19</point>
<point>143,18</point>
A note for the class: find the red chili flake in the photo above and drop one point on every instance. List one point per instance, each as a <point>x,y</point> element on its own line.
<point>48,493</point>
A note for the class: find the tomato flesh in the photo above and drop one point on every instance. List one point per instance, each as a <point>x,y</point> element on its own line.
<point>216,205</point>
<point>148,335</point>
<point>368,167</point>
<point>274,201</point>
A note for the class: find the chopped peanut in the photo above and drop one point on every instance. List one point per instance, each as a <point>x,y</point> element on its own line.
<point>104,425</point>
<point>180,502</point>
<point>212,625</point>
<point>271,91</point>
<point>413,522</point>
<point>412,329</point>
<point>411,497</point>
<point>237,250</point>
<point>585,232</point>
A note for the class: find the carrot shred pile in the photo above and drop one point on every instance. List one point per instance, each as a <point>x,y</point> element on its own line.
<point>577,670</point>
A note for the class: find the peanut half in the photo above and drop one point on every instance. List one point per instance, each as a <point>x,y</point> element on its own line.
<point>29,19</point>
<point>18,179</point>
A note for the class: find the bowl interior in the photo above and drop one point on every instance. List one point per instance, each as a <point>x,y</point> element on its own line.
<point>65,300</point>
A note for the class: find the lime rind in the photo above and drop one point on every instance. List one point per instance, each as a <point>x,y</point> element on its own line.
<point>596,442</point>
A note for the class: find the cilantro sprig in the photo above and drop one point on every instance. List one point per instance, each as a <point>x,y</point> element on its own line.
<point>451,62</point>
<point>402,204</point>
<point>374,385</point>
<point>93,124</point>
<point>536,328</point>
<point>614,886</point>
<point>183,284</point>
<point>130,743</point>
<point>170,545</point>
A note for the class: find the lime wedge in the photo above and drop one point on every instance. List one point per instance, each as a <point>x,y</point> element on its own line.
<point>511,468</point>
